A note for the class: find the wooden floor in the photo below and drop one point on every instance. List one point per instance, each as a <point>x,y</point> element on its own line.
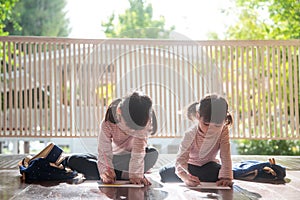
<point>11,186</point>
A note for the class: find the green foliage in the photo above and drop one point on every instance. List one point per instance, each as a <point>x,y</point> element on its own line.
<point>40,18</point>
<point>268,147</point>
<point>248,27</point>
<point>6,9</point>
<point>264,19</point>
<point>30,18</point>
<point>6,14</point>
<point>286,17</point>
<point>136,22</point>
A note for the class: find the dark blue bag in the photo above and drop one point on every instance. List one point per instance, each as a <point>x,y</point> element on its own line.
<point>40,169</point>
<point>45,166</point>
<point>266,172</point>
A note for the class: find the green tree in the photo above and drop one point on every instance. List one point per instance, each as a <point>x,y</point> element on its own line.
<point>286,17</point>
<point>263,19</point>
<point>40,18</point>
<point>6,9</point>
<point>6,13</point>
<point>136,22</point>
<point>249,26</point>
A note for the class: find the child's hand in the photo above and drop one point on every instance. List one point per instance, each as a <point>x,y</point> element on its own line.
<point>190,180</point>
<point>225,182</point>
<point>144,181</point>
<point>109,176</point>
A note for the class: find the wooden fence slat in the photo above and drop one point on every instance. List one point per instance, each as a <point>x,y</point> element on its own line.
<point>61,87</point>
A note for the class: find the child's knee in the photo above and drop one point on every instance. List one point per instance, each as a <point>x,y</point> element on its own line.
<point>152,154</point>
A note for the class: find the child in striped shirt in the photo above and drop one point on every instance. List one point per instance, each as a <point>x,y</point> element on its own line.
<point>122,143</point>
<point>196,159</point>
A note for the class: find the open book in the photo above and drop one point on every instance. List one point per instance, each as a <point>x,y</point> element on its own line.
<point>119,183</point>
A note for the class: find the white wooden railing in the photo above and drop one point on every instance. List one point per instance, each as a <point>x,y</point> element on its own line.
<point>59,87</point>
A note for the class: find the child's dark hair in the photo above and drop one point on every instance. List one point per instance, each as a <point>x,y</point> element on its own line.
<point>212,109</point>
<point>135,109</point>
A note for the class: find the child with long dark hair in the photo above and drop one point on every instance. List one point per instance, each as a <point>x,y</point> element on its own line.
<point>196,159</point>
<point>122,144</point>
<point>123,153</point>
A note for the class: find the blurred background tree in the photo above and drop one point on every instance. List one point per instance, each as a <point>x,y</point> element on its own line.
<point>6,13</point>
<point>31,18</point>
<point>136,22</point>
<point>264,19</point>
<point>38,18</point>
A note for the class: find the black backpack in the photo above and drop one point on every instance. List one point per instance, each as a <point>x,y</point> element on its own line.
<point>45,166</point>
<point>266,172</point>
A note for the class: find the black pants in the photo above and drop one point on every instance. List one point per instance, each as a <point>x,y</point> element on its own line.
<point>87,163</point>
<point>208,172</point>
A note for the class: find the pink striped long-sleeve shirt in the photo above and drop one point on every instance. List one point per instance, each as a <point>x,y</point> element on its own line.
<point>113,140</point>
<point>189,151</point>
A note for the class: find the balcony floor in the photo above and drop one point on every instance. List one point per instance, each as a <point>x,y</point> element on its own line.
<point>11,186</point>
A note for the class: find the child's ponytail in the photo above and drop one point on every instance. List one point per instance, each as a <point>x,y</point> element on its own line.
<point>111,111</point>
<point>192,111</point>
<point>154,123</point>
<point>229,119</point>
